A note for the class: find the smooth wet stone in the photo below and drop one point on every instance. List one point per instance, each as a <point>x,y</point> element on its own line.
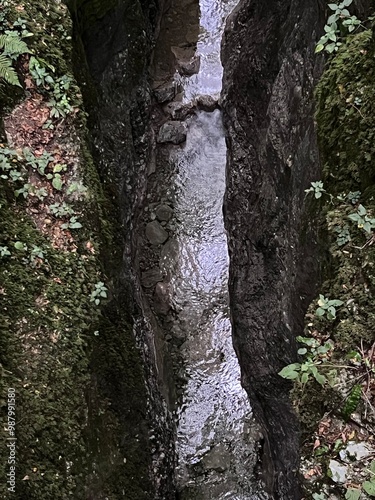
<point>189,68</point>
<point>164,213</point>
<point>151,277</point>
<point>217,459</point>
<point>206,103</point>
<point>155,233</point>
<point>188,63</point>
<point>179,110</point>
<point>162,302</point>
<point>173,132</point>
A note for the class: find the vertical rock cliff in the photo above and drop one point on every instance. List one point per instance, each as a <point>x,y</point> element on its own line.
<point>269,76</point>
<point>270,72</point>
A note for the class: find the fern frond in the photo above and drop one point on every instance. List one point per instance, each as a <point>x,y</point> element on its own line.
<point>7,72</point>
<point>13,45</point>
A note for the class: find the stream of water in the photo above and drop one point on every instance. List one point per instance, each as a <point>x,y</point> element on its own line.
<point>215,432</point>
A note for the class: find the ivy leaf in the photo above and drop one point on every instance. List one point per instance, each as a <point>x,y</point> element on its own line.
<point>57,183</point>
<point>369,487</point>
<point>333,6</point>
<point>352,494</point>
<point>320,312</point>
<point>302,351</point>
<point>289,372</point>
<point>362,210</point>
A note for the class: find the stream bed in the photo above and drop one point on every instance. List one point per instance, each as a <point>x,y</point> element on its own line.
<point>216,438</point>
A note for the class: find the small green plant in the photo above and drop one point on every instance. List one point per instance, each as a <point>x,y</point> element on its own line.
<point>317,189</point>
<point>352,401</point>
<point>22,247</point>
<point>72,224</point>
<point>339,23</point>
<point>99,293</point>
<point>11,47</point>
<point>369,486</point>
<point>353,197</point>
<point>327,307</point>
<point>39,73</point>
<point>23,191</point>
<point>61,209</point>
<point>343,235</point>
<point>315,353</point>
<point>362,219</point>
<point>76,188</point>
<point>38,163</point>
<point>59,101</point>
<point>21,26</point>
<point>4,251</point>
<point>352,494</point>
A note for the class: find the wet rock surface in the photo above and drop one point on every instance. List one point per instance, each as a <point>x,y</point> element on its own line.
<point>117,38</point>
<point>173,132</point>
<point>155,233</point>
<point>269,76</point>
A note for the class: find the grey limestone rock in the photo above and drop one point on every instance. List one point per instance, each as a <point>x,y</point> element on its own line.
<point>155,233</point>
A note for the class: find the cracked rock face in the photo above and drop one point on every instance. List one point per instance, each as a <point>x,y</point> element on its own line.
<point>267,100</point>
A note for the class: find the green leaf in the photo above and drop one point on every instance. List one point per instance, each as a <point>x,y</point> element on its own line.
<point>369,487</point>
<point>302,351</point>
<point>321,379</point>
<point>346,3</point>
<point>304,378</point>
<point>335,302</point>
<point>75,225</point>
<point>288,373</point>
<point>332,36</point>
<point>318,49</point>
<point>333,6</point>
<point>331,47</point>
<point>307,340</point>
<point>57,183</point>
<point>19,245</point>
<point>352,494</point>
<point>362,210</point>
<point>320,312</point>
<point>367,227</point>
<point>7,72</point>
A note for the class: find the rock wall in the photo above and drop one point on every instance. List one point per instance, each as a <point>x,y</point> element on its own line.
<point>269,77</point>
<point>115,39</point>
<point>270,72</point>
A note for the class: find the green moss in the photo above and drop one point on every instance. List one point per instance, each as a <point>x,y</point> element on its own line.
<point>345,117</point>
<point>80,397</point>
<point>346,128</point>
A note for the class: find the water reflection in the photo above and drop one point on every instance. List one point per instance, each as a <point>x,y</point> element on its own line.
<point>214,442</point>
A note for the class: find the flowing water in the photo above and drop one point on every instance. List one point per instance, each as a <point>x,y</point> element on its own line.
<point>215,432</point>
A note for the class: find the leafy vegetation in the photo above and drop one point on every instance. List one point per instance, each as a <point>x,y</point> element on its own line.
<point>12,46</point>
<point>339,24</point>
<point>54,232</point>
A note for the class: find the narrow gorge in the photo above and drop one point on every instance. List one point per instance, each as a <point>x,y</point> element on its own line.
<point>159,267</point>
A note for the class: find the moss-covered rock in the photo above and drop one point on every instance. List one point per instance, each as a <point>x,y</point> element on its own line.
<point>80,391</point>
<point>346,127</point>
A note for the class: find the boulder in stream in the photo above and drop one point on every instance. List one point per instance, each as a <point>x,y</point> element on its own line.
<point>155,233</point>
<point>173,132</point>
